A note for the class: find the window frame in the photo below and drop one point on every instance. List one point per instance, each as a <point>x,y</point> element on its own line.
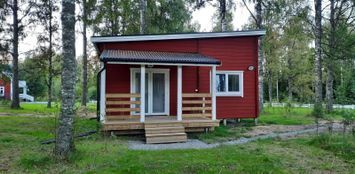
<point>3,89</point>
<point>240,93</point>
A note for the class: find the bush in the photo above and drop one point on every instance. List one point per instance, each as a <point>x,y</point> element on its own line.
<point>343,147</point>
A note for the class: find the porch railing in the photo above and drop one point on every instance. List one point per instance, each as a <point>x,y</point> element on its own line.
<point>120,106</point>
<point>196,105</point>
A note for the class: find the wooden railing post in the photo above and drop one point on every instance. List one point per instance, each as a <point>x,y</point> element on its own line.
<point>203,105</point>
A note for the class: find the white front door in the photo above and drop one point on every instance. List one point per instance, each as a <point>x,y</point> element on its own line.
<point>156,90</point>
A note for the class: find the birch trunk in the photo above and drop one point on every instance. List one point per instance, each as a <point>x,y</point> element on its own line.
<point>65,139</point>
<point>260,56</point>
<point>143,7</point>
<point>289,89</point>
<point>270,89</point>
<point>318,54</point>
<point>277,90</point>
<point>50,61</point>
<point>222,14</point>
<point>330,77</point>
<point>85,59</point>
<point>15,103</point>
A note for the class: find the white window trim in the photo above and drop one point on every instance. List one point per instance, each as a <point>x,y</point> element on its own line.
<point>3,89</point>
<point>167,89</point>
<point>241,83</point>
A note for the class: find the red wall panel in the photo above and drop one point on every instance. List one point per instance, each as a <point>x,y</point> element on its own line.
<point>236,54</point>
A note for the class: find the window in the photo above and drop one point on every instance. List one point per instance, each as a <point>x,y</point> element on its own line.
<point>2,91</point>
<point>229,83</point>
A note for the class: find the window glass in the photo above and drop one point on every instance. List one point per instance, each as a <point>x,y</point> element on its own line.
<point>221,82</point>
<point>2,91</point>
<point>233,83</point>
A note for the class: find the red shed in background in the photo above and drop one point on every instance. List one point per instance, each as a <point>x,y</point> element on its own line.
<point>5,86</point>
<point>207,76</point>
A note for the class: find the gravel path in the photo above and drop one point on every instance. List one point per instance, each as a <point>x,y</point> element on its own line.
<point>197,144</point>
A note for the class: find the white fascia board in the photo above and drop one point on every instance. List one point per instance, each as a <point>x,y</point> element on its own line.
<point>177,36</point>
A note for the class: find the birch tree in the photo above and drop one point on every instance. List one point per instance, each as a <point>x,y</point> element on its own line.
<point>337,48</point>
<point>65,139</point>
<point>45,16</point>
<point>318,57</point>
<point>88,7</point>
<point>143,8</point>
<point>257,17</point>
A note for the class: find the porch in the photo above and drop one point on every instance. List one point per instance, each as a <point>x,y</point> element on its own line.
<point>123,113</point>
<point>156,104</point>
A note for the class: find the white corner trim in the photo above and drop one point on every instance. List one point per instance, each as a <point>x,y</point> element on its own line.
<point>142,92</point>
<point>179,93</point>
<point>103,96</point>
<point>213,91</point>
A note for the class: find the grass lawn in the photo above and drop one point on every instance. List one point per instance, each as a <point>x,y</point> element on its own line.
<point>39,108</point>
<point>21,152</point>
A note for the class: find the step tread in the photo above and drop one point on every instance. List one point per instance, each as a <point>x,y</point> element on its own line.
<point>163,128</point>
<point>166,141</point>
<point>166,134</point>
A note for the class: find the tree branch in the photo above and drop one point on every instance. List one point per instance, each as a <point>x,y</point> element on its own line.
<point>251,14</point>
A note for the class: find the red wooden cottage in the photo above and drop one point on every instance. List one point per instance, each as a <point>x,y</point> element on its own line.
<point>191,81</point>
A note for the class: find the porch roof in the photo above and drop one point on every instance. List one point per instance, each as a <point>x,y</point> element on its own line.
<point>129,56</point>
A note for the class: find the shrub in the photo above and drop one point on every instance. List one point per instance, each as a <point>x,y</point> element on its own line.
<point>344,147</point>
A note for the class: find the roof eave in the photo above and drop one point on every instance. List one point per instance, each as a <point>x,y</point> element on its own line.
<point>161,63</point>
<point>176,36</point>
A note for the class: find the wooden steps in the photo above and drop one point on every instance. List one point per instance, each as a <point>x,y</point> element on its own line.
<point>164,132</point>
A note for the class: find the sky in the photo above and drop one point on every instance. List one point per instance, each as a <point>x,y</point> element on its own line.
<point>202,16</point>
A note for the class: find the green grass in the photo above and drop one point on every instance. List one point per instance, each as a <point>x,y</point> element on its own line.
<point>278,115</point>
<point>40,108</point>
<point>21,152</point>
<point>297,116</point>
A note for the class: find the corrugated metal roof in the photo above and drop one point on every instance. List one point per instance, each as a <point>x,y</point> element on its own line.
<point>156,57</point>
<point>103,39</point>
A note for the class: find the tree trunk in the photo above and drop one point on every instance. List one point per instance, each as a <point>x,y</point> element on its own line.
<point>318,54</point>
<point>330,77</point>
<point>289,89</point>
<point>260,56</point>
<point>329,90</point>
<point>277,90</point>
<point>270,89</point>
<point>50,62</point>
<point>65,139</point>
<point>15,103</point>
<point>143,6</point>
<point>222,14</point>
<point>85,59</point>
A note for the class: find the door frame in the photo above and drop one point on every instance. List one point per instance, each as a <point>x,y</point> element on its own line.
<point>150,72</point>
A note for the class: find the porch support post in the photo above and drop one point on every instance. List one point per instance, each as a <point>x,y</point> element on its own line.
<point>213,91</point>
<point>142,93</point>
<point>179,93</point>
